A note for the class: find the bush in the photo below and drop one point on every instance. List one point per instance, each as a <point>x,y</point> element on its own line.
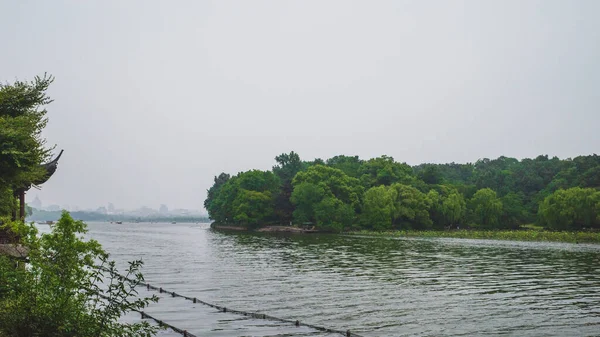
<point>68,288</point>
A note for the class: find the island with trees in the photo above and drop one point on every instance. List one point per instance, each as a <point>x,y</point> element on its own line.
<point>537,199</point>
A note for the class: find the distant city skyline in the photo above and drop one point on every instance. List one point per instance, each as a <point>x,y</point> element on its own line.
<point>109,207</point>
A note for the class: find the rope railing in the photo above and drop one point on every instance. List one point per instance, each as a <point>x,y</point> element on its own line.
<point>160,323</point>
<point>165,324</point>
<point>224,309</point>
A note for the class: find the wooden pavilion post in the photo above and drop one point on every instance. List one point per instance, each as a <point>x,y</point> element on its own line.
<point>22,205</point>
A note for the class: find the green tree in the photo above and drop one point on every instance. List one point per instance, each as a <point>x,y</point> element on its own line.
<point>288,166</point>
<point>306,196</point>
<point>385,171</point>
<point>334,182</point>
<point>221,206</point>
<point>411,207</point>
<point>454,208</point>
<point>227,204</point>
<point>378,207</point>
<point>431,174</point>
<point>22,147</point>
<point>63,293</point>
<point>486,208</point>
<point>448,206</point>
<point>513,210</point>
<point>253,208</point>
<point>574,208</point>
<point>350,165</point>
<point>211,196</point>
<point>331,214</point>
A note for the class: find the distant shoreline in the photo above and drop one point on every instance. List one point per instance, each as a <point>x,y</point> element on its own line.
<point>506,235</point>
<point>265,229</point>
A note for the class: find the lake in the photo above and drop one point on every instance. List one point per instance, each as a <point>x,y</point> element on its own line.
<point>373,286</point>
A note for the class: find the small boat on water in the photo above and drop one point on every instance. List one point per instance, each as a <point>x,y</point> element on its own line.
<point>49,222</point>
<point>173,222</point>
<point>118,222</point>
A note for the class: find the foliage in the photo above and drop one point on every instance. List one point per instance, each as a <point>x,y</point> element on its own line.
<point>305,197</point>
<point>486,208</point>
<point>448,207</point>
<point>213,192</point>
<point>350,165</point>
<point>331,214</point>
<point>411,207</point>
<point>288,166</point>
<point>574,208</point>
<point>62,292</point>
<point>22,119</point>
<point>490,193</point>
<point>384,171</point>
<point>335,183</point>
<point>378,208</point>
<point>246,199</point>
<point>252,207</point>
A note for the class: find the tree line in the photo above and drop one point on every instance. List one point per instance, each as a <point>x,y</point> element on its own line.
<point>349,193</point>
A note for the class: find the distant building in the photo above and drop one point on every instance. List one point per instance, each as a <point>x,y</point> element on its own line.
<point>36,203</point>
<point>163,209</point>
<point>111,208</point>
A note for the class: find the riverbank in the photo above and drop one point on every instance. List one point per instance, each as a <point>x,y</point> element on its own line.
<point>514,235</point>
<point>268,229</point>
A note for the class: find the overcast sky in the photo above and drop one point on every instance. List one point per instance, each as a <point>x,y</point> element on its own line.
<point>154,98</point>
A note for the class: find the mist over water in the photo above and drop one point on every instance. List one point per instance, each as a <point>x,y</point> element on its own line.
<point>372,286</point>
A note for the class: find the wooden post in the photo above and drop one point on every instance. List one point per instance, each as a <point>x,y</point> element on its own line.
<point>22,205</point>
<point>13,215</point>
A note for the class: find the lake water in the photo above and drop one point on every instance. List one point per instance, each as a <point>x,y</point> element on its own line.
<point>372,286</point>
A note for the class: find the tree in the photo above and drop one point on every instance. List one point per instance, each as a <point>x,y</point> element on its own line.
<point>378,207</point>
<point>22,147</point>
<point>574,208</point>
<point>411,207</point>
<point>385,171</point>
<point>63,293</point>
<point>305,197</point>
<point>431,175</point>
<point>331,214</point>
<point>350,165</point>
<point>486,208</point>
<point>227,201</point>
<point>454,208</point>
<point>334,182</point>
<point>513,210</point>
<point>288,166</point>
<point>252,207</point>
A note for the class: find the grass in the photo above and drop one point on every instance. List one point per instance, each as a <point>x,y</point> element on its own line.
<point>514,235</point>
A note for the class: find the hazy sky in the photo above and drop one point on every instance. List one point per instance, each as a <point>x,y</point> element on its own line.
<point>154,98</point>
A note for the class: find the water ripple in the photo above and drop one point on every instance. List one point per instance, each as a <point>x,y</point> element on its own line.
<point>373,286</point>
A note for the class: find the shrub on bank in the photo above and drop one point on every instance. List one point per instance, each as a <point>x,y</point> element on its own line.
<point>515,235</point>
<point>68,287</point>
